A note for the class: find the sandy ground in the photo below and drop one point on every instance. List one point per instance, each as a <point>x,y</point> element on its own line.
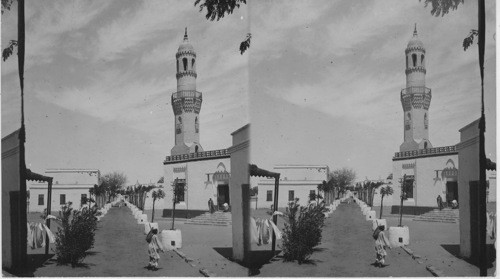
<point>347,250</point>
<point>120,249</point>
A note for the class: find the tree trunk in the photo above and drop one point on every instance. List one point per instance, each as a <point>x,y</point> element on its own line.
<point>173,216</point>
<point>401,212</point>
<point>381,206</point>
<point>153,213</point>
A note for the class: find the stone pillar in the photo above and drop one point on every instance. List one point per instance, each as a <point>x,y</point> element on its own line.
<point>239,192</point>
<point>468,160</point>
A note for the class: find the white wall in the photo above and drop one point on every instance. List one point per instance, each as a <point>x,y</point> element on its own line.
<point>427,188</point>
<point>199,189</point>
<point>301,190</point>
<point>73,194</point>
<point>10,182</point>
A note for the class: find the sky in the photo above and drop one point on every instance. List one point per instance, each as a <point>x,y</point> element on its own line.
<point>320,83</point>
<point>326,77</point>
<point>99,76</point>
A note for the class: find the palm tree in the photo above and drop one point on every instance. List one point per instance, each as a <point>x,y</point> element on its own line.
<point>156,195</point>
<point>384,191</point>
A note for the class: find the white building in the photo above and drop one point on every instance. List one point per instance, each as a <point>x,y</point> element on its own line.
<point>296,181</point>
<point>205,174</point>
<point>69,185</point>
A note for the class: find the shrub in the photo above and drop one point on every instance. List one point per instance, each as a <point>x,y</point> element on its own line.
<point>76,235</point>
<point>302,230</point>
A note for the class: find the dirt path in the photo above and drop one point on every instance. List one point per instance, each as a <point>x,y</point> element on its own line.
<point>120,249</point>
<point>347,250</point>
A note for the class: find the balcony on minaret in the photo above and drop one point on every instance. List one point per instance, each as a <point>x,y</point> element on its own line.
<point>417,97</point>
<point>416,90</point>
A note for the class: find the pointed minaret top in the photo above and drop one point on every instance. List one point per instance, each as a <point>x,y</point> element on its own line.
<point>186,34</point>
<point>415,31</point>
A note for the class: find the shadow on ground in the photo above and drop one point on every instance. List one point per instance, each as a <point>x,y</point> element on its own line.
<point>454,249</point>
<point>255,261</point>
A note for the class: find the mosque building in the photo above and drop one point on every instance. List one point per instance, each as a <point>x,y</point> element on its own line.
<point>433,170</point>
<point>205,174</point>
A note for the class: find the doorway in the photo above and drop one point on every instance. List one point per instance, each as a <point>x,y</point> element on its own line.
<point>222,194</point>
<point>451,191</point>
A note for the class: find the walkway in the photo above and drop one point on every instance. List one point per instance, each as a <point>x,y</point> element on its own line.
<point>347,250</point>
<point>120,249</point>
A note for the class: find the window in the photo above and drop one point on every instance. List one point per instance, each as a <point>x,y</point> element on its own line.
<point>177,65</point>
<point>407,58</point>
<point>269,195</point>
<point>409,190</point>
<point>62,199</point>
<point>192,63</point>
<point>40,199</point>
<point>185,63</point>
<point>178,126</point>
<point>414,57</point>
<point>291,195</point>
<point>422,60</point>
<point>425,145</point>
<point>426,122</point>
<point>196,149</point>
<point>196,125</point>
<point>180,191</point>
<point>312,195</point>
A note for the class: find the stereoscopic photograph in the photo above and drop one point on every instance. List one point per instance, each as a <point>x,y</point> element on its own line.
<point>245,138</point>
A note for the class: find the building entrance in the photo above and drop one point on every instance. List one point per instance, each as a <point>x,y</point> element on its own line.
<point>222,194</point>
<point>451,191</point>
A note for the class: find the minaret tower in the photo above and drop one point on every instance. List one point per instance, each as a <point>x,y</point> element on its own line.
<point>415,98</point>
<point>186,102</point>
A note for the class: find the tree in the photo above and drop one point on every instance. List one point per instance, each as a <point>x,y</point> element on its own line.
<point>217,9</point>
<point>406,187</point>
<point>113,182</point>
<point>342,178</point>
<point>371,186</point>
<point>156,195</point>
<point>178,189</point>
<point>384,191</point>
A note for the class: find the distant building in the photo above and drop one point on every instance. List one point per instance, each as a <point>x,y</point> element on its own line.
<point>296,181</point>
<point>69,185</point>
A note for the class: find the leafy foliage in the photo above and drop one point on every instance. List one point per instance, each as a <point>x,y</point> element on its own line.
<point>6,5</point>
<point>113,182</point>
<point>245,44</point>
<point>442,7</point>
<point>76,235</point>
<point>217,9</point>
<point>302,230</point>
<point>342,178</point>
<point>469,40</point>
<point>156,195</point>
<point>384,191</point>
<point>7,52</point>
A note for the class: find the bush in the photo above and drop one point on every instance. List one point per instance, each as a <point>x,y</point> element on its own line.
<point>76,235</point>
<point>303,230</point>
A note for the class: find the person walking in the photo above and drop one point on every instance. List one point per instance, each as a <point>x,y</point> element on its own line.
<point>440,202</point>
<point>381,243</point>
<point>154,246</point>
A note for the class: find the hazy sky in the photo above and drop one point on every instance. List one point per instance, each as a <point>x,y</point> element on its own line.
<point>326,76</point>
<point>321,82</point>
<point>99,76</point>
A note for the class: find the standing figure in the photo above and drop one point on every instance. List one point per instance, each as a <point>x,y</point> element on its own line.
<point>211,205</point>
<point>440,202</point>
<point>154,247</point>
<point>381,243</point>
